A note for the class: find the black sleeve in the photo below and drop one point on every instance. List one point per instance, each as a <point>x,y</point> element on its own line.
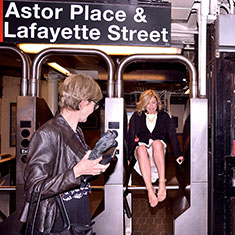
<point>173,136</point>
<point>131,136</point>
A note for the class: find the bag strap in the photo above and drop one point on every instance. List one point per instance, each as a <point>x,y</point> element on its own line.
<point>36,207</point>
<point>30,209</point>
<point>63,211</point>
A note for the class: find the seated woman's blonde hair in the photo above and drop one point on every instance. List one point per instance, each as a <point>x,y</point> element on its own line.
<point>145,97</point>
<point>76,88</point>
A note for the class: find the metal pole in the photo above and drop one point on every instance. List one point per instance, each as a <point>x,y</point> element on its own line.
<point>26,62</point>
<point>37,62</point>
<point>202,19</point>
<point>161,58</point>
<point>52,92</point>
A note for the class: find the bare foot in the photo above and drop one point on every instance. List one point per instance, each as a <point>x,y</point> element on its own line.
<point>161,191</point>
<point>153,200</point>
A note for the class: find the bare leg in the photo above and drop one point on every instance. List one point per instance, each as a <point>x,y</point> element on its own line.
<point>144,163</point>
<point>159,157</point>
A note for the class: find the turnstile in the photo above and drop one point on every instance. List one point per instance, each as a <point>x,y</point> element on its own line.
<point>194,219</point>
<point>30,108</point>
<point>112,219</point>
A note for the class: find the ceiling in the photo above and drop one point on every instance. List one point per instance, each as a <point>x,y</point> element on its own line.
<point>171,77</point>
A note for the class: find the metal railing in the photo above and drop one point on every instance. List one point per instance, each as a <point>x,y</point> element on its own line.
<point>37,63</point>
<point>26,62</point>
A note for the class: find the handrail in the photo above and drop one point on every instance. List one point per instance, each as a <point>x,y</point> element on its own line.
<point>36,66</point>
<point>135,187</point>
<point>7,159</point>
<point>8,188</point>
<point>161,58</point>
<point>26,67</point>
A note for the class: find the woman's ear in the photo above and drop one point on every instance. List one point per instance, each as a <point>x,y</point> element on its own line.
<point>83,103</point>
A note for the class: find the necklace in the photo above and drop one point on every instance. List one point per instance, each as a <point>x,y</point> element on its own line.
<point>151,117</point>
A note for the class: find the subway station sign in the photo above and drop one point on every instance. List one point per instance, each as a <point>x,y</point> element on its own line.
<point>85,23</point>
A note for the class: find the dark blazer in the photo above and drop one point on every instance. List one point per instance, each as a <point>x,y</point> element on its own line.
<point>163,129</point>
<point>53,152</point>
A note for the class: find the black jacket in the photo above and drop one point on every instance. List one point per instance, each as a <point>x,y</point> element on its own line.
<point>163,129</point>
<point>53,152</point>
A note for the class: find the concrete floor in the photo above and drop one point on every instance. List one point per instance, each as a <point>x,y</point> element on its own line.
<point>151,221</point>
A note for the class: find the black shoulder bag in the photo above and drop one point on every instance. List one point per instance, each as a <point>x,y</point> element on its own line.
<point>69,229</point>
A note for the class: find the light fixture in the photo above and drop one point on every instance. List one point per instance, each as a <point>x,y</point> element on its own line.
<point>110,50</point>
<point>59,68</point>
<point>187,92</point>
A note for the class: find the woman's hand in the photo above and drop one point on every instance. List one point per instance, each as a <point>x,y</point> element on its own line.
<point>89,167</point>
<point>180,160</point>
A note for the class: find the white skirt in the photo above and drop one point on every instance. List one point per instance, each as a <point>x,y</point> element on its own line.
<point>154,171</point>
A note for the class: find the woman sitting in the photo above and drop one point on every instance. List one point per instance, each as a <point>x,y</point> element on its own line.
<point>148,129</point>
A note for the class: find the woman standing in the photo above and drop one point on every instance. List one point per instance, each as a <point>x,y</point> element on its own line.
<point>59,155</point>
<point>148,129</point>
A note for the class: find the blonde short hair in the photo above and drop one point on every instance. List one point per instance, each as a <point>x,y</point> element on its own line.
<point>145,97</point>
<point>76,88</point>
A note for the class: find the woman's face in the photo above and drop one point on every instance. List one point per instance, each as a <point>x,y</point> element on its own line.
<point>88,108</point>
<point>151,107</point>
